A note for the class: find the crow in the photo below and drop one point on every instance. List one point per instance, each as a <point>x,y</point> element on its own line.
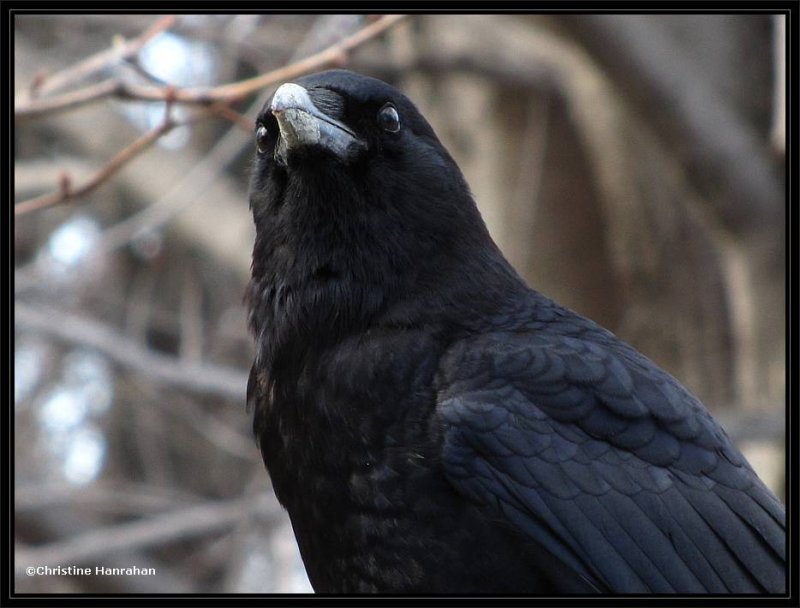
<point>432,424</point>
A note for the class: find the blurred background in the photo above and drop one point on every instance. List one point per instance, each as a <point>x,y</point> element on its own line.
<point>631,167</point>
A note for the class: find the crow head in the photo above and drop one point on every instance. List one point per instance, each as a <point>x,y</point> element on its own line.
<point>359,208</point>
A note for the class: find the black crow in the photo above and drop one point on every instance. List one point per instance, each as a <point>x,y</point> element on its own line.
<point>433,425</point>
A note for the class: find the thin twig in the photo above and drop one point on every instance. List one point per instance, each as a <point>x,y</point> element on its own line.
<point>335,54</point>
<point>91,65</point>
<point>244,123</point>
<point>216,96</point>
<point>39,107</point>
<point>67,191</point>
<point>194,184</point>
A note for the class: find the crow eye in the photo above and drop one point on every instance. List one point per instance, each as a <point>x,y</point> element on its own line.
<point>262,139</point>
<point>389,119</point>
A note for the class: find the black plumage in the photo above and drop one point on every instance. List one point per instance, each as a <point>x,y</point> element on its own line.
<point>432,424</point>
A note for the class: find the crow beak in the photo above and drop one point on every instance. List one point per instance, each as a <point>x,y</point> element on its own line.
<point>302,124</point>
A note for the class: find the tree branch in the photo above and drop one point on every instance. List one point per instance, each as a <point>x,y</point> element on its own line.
<point>198,377</point>
<point>65,522</point>
<point>68,192</point>
<point>44,84</point>
<point>131,498</point>
<point>218,97</point>
<point>335,54</point>
<point>180,524</point>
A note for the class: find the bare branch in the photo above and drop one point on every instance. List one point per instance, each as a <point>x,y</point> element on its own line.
<point>33,176</point>
<point>180,524</point>
<point>222,435</point>
<point>73,99</point>
<point>194,183</point>
<point>59,523</point>
<point>67,192</point>
<point>130,498</point>
<point>335,54</point>
<point>44,84</point>
<point>197,377</point>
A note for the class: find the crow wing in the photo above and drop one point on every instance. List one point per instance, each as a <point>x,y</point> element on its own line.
<point>607,463</point>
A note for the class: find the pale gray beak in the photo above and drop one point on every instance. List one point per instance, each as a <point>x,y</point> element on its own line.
<point>303,124</point>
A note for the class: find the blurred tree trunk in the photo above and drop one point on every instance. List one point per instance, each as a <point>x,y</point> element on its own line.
<point>623,164</point>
